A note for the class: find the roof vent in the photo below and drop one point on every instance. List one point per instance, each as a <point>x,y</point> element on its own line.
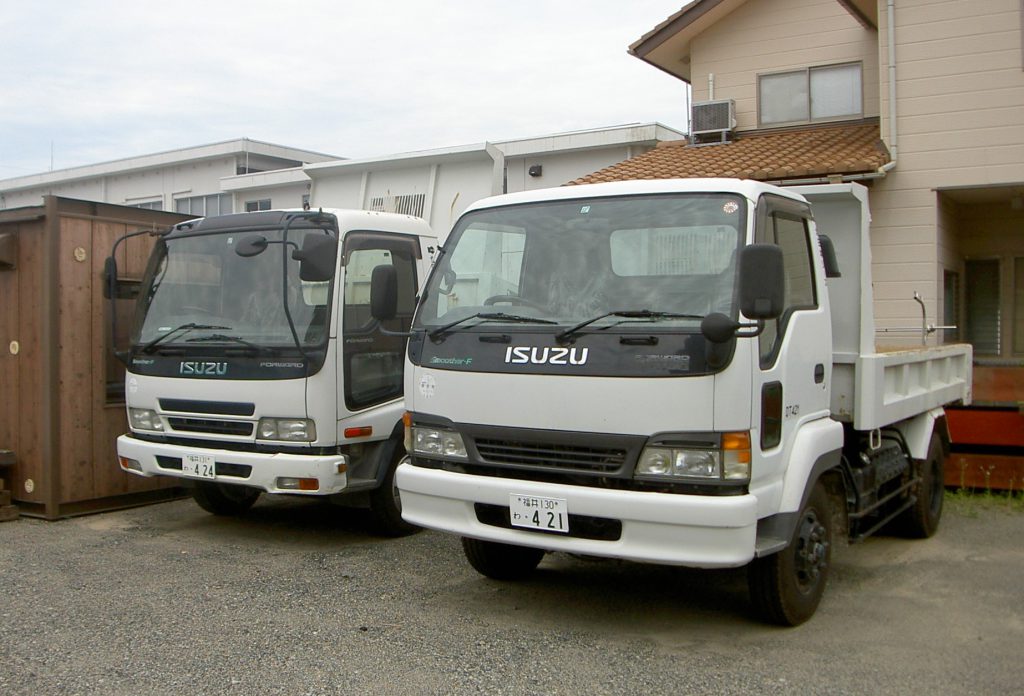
<point>712,122</point>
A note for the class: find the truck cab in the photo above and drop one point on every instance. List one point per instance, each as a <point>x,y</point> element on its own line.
<point>255,364</point>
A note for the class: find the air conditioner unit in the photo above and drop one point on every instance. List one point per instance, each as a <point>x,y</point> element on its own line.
<point>712,121</point>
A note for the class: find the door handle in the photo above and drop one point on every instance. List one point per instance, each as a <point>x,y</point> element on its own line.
<point>819,373</point>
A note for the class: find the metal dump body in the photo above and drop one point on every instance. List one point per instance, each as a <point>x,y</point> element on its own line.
<point>872,388</point>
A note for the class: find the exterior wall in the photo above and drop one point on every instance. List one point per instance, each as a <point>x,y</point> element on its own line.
<point>457,186</point>
<point>960,110</point>
<point>562,167</point>
<point>762,37</point>
<point>282,196</point>
<point>338,191</point>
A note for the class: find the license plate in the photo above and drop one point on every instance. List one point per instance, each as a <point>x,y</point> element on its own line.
<point>534,512</point>
<point>198,465</point>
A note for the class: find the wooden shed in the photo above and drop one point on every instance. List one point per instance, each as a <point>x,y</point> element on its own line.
<point>61,389</point>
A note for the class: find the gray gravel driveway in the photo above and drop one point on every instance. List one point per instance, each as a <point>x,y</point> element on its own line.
<point>298,597</point>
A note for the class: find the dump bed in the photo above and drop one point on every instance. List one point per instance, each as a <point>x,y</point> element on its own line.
<point>872,388</point>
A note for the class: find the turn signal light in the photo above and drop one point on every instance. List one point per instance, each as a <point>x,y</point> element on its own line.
<point>362,431</point>
<point>288,483</point>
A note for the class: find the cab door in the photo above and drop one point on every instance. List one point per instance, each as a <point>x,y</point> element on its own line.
<point>795,350</point>
<point>372,360</point>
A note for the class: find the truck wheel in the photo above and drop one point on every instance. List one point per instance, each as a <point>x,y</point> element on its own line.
<point>787,586</point>
<point>501,561</point>
<point>922,520</point>
<point>386,503</point>
<point>224,498</point>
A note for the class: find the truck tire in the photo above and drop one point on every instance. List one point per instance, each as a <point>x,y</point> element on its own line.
<point>501,561</point>
<point>786,587</point>
<point>224,498</point>
<point>386,503</point>
<point>922,520</point>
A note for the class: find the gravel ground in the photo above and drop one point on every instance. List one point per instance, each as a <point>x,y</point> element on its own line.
<point>298,597</point>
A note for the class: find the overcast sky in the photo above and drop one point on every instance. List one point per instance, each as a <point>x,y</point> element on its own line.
<point>102,80</point>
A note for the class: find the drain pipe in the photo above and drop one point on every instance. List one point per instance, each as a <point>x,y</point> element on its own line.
<point>893,136</point>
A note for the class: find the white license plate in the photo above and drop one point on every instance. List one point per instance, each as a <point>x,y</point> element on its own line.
<point>198,465</point>
<point>534,512</point>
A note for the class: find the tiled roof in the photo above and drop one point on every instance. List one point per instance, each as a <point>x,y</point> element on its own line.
<point>765,156</point>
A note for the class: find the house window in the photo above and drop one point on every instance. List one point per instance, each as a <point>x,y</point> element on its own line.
<point>981,306</point>
<point>215,204</point>
<point>1018,306</point>
<point>255,206</point>
<point>822,93</point>
<point>950,305</point>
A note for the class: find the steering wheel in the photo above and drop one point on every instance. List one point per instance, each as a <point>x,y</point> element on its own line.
<point>515,300</point>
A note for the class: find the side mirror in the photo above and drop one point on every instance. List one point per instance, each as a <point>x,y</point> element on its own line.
<point>828,255</point>
<point>110,278</point>
<point>762,281</point>
<point>384,293</point>
<point>317,258</point>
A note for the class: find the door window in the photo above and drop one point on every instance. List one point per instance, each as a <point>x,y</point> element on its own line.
<point>373,361</point>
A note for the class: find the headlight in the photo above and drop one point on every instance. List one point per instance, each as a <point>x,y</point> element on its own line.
<point>144,419</point>
<point>435,442</point>
<point>730,461</point>
<point>287,429</point>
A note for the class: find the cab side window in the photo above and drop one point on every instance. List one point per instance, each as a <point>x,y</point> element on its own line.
<point>374,362</point>
<point>786,225</point>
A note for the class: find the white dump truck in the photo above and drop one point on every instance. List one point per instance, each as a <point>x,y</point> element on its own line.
<point>255,364</point>
<point>678,372</point>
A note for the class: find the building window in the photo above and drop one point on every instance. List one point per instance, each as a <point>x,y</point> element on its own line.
<point>409,204</point>
<point>981,306</point>
<point>256,206</point>
<point>305,201</point>
<point>950,305</point>
<point>823,93</point>
<point>200,206</point>
<point>148,205</point>
<point>1018,306</point>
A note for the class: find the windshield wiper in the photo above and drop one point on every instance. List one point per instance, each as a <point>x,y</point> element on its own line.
<point>224,338</point>
<point>628,314</point>
<point>184,328</point>
<point>490,316</point>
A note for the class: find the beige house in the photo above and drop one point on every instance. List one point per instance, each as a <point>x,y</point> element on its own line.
<point>920,100</point>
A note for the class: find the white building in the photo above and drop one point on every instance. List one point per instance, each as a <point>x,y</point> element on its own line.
<point>245,175</point>
<point>185,180</point>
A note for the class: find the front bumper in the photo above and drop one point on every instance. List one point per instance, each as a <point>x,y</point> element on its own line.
<point>688,530</point>
<point>255,469</point>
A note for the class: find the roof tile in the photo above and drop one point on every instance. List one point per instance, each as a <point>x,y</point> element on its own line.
<point>765,156</point>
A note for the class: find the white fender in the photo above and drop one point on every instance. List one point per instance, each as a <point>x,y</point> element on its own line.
<point>812,442</point>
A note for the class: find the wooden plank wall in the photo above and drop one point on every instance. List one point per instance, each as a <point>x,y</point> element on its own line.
<point>21,374</point>
<point>89,424</point>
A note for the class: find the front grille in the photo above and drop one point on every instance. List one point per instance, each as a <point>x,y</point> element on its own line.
<point>553,455</point>
<point>208,425</point>
<point>580,526</point>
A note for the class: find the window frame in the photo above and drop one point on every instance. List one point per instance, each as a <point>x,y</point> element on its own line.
<point>810,97</point>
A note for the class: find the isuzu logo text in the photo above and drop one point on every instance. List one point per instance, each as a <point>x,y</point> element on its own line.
<point>198,367</point>
<point>523,355</point>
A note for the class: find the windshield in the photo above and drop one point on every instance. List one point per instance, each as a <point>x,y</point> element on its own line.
<point>198,291</point>
<point>666,259</point>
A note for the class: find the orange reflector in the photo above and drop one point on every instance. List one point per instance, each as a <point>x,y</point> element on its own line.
<point>407,419</point>
<point>342,467</point>
<point>739,443</point>
<point>362,431</point>
<point>309,484</point>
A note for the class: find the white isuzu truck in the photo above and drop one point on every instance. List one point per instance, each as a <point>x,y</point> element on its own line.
<point>255,364</point>
<point>672,372</point>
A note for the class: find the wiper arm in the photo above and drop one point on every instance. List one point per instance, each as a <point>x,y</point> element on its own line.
<point>573,331</point>
<point>489,316</point>
<point>224,338</point>
<point>184,328</point>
